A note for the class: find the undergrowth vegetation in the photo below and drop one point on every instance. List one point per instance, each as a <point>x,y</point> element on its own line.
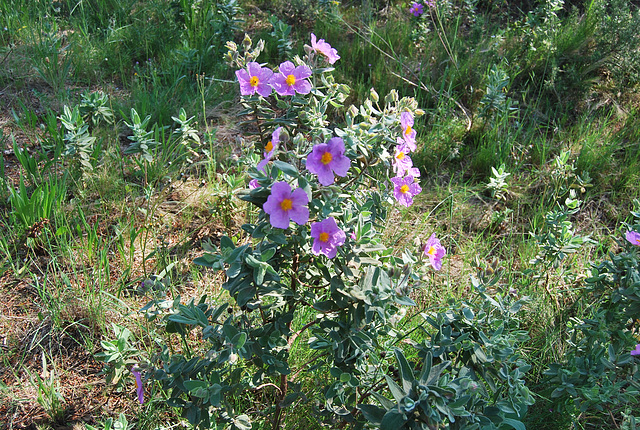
<point>319,214</point>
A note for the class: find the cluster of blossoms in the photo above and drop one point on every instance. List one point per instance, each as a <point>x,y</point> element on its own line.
<point>326,160</point>
<point>289,80</point>
<point>404,183</point>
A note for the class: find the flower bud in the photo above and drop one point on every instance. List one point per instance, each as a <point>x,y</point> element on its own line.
<point>353,111</point>
<point>392,97</point>
<point>246,42</point>
<point>374,95</point>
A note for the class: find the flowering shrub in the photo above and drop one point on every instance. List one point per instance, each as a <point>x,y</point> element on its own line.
<point>310,271</point>
<point>599,371</point>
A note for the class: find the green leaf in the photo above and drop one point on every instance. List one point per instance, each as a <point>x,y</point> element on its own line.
<point>252,261</point>
<point>393,420</point>
<point>196,388</point>
<point>267,254</point>
<point>373,414</point>
<point>242,422</point>
<point>226,243</point>
<point>386,403</point>
<point>426,368</point>
<point>514,423</point>
<point>397,392</point>
<point>406,373</point>
<point>182,320</point>
<point>239,340</point>
<point>286,168</point>
<point>234,254</point>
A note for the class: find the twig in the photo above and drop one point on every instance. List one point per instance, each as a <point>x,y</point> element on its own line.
<point>299,332</point>
<point>269,384</point>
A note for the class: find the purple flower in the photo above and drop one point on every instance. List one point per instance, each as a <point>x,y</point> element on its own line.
<point>636,351</point>
<point>327,237</point>
<point>408,133</point>
<point>284,205</point>
<point>253,184</point>
<point>404,189</point>
<point>413,172</point>
<point>291,79</point>
<point>324,49</point>
<point>435,251</point>
<point>255,79</point>
<point>327,159</point>
<point>401,161</point>
<point>416,9</point>
<point>139,386</point>
<point>270,148</point>
<point>633,237</point>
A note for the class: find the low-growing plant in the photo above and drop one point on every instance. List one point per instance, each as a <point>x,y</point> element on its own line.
<point>51,60</point>
<point>49,395</point>
<point>95,108</point>
<point>41,204</point>
<point>118,355</point>
<point>498,185</point>
<point>143,141</point>
<point>78,143</point>
<point>120,423</point>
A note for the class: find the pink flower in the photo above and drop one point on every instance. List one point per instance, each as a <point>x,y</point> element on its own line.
<point>270,148</point>
<point>327,237</point>
<point>408,133</point>
<point>255,79</point>
<point>404,189</point>
<point>435,251</point>
<point>633,237</point>
<point>636,351</point>
<point>324,49</point>
<point>327,159</point>
<point>139,386</point>
<point>291,79</point>
<point>401,161</point>
<point>284,205</point>
<point>413,172</point>
<point>253,184</point>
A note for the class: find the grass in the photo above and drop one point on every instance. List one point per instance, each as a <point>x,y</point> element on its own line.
<point>77,244</point>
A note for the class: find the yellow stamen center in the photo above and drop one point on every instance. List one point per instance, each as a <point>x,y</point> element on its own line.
<point>324,237</point>
<point>254,81</point>
<point>269,146</point>
<point>286,204</point>
<point>431,251</point>
<point>408,130</point>
<point>326,158</point>
<point>404,189</point>
<point>291,80</point>
<point>400,155</point>
<point>637,241</point>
